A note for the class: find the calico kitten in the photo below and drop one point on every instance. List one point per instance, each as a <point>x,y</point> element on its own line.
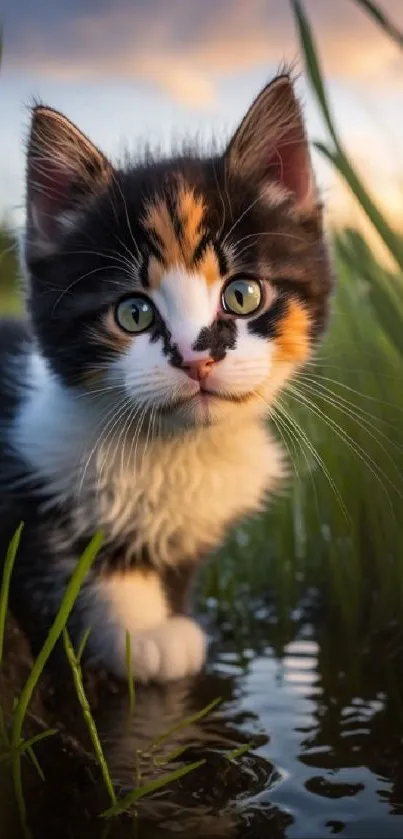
<point>168,303</point>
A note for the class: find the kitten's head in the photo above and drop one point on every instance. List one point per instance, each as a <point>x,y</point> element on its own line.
<point>193,285</point>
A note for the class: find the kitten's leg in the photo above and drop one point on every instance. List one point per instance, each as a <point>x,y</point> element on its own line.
<point>165,643</point>
<point>164,646</point>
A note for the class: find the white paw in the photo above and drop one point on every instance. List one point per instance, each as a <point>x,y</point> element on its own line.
<point>170,651</point>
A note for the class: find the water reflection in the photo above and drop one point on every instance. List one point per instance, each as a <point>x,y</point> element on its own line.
<point>326,720</point>
<point>324,715</point>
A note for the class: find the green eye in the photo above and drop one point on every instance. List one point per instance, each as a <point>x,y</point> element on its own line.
<point>135,314</point>
<point>242,297</point>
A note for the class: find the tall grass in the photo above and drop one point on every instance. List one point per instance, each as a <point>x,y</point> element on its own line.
<point>336,153</point>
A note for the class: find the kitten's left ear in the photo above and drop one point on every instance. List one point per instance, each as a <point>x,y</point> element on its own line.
<point>64,172</point>
<point>270,145</point>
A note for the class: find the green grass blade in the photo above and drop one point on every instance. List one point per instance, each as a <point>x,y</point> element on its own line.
<point>89,719</point>
<point>168,758</point>
<point>26,745</point>
<point>338,157</point>
<point>341,163</point>
<point>55,631</point>
<point>83,643</point>
<point>4,738</point>
<point>36,763</point>
<point>312,65</point>
<point>185,723</point>
<point>239,752</point>
<point>382,20</point>
<point>5,586</point>
<point>135,795</point>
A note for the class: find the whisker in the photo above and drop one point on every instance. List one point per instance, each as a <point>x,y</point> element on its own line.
<point>315,454</point>
<point>117,184</point>
<point>104,419</point>
<point>222,202</point>
<point>357,414</point>
<point>239,219</point>
<point>365,457</point>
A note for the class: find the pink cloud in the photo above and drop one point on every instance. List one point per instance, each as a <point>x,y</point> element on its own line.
<point>183,48</point>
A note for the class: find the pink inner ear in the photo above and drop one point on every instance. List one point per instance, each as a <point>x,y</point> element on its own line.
<point>289,164</point>
<point>50,193</point>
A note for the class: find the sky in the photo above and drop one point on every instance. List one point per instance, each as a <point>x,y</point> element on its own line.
<point>154,70</point>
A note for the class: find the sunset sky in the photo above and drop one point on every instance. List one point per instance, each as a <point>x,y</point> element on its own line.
<point>156,69</point>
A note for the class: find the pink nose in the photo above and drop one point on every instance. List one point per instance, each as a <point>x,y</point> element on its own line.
<point>198,370</point>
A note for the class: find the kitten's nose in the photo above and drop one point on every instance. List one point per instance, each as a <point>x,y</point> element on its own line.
<point>198,370</point>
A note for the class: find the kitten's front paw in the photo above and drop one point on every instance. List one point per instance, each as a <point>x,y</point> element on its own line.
<point>173,650</point>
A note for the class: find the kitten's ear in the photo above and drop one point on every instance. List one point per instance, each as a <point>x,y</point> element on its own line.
<point>270,145</point>
<point>64,171</point>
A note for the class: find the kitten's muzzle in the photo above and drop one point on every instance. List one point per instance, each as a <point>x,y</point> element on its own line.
<point>198,370</point>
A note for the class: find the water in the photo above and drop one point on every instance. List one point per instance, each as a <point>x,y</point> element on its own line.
<point>323,715</point>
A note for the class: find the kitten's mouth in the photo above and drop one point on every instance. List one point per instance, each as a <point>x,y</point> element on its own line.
<point>204,398</point>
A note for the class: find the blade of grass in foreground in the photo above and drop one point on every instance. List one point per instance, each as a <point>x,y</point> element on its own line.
<point>89,719</point>
<point>135,795</point>
<point>5,586</point>
<point>312,65</point>
<point>185,723</point>
<point>340,162</point>
<point>382,20</point>
<point>55,632</point>
<point>339,157</point>
<point>26,745</point>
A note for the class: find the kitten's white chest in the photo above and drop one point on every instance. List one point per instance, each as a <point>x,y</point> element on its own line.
<point>178,497</point>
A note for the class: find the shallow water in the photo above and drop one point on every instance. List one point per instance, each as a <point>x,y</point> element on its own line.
<point>323,715</point>
<point>326,720</point>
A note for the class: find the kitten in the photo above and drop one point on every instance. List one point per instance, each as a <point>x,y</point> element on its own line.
<point>168,303</point>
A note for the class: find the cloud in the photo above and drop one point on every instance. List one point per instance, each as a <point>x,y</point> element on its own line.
<point>184,48</point>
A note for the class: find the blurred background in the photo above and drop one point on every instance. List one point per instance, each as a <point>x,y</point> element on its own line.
<point>306,603</point>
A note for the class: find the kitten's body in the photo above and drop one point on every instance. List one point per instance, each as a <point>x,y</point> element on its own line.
<point>101,428</point>
<point>163,506</point>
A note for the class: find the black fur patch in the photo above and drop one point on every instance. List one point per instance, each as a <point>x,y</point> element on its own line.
<point>266,325</point>
<point>169,348</point>
<point>205,241</point>
<point>217,339</point>
<point>221,258</point>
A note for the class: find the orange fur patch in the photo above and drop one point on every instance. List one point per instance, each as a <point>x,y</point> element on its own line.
<point>179,252</point>
<point>292,343</point>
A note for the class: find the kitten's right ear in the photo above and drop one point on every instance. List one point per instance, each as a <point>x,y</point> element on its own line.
<point>270,146</point>
<point>64,172</point>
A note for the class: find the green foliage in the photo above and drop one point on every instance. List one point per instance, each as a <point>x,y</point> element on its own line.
<point>337,155</point>
<point>5,585</point>
<point>9,302</point>
<point>74,662</point>
<point>59,624</point>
